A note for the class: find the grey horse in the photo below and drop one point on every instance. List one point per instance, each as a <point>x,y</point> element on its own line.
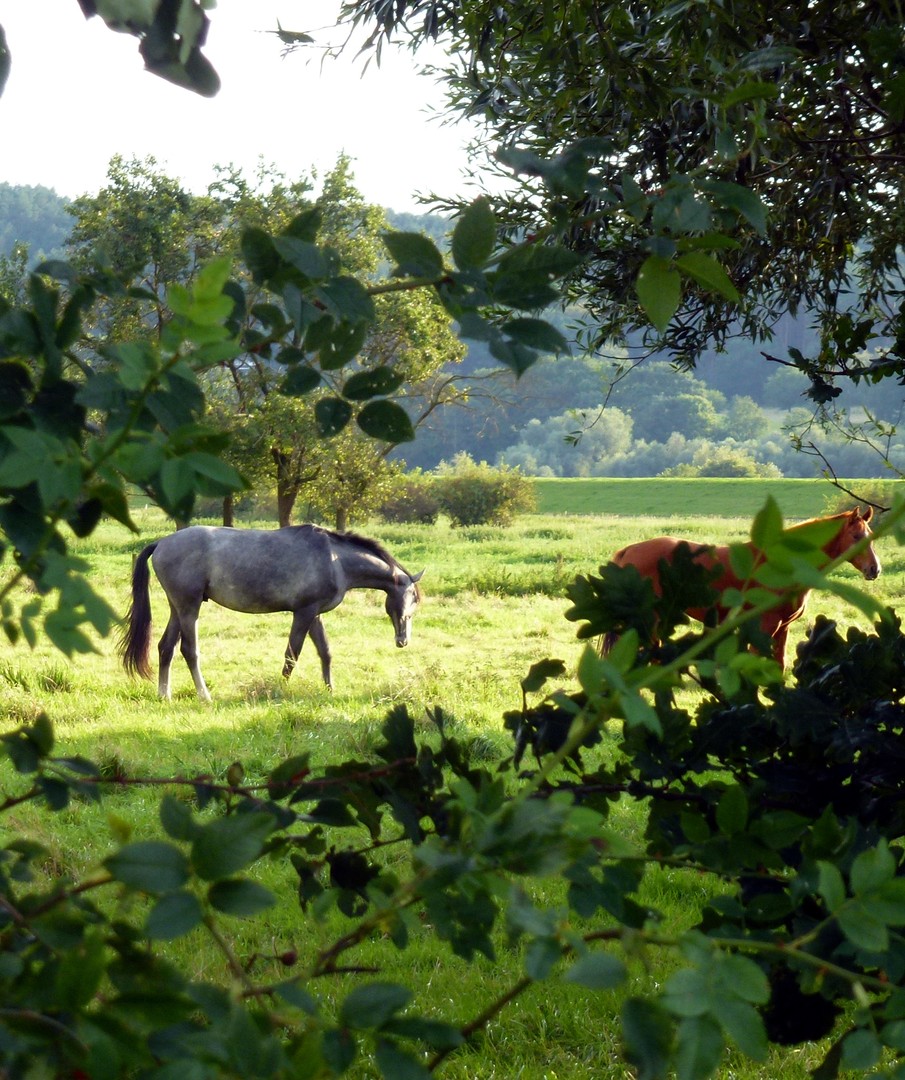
<point>303,569</point>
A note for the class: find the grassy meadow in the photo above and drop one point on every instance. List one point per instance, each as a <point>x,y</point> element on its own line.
<point>494,604</point>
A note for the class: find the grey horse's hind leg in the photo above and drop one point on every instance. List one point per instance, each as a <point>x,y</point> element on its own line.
<point>318,636</point>
<point>165,649</point>
<point>303,621</point>
<point>184,625</point>
<point>190,652</point>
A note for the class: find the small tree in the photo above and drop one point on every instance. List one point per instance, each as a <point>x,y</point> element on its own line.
<point>478,494</point>
<point>411,499</point>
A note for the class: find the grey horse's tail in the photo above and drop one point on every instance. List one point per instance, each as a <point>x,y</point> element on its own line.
<point>134,644</point>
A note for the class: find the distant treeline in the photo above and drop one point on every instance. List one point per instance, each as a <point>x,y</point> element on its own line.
<point>729,417</point>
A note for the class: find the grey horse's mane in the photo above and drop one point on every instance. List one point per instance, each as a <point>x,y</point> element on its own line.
<point>373,546</point>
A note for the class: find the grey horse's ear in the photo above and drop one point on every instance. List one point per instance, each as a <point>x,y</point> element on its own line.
<point>418,576</point>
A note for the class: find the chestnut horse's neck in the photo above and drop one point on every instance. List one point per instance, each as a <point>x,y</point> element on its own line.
<point>844,536</point>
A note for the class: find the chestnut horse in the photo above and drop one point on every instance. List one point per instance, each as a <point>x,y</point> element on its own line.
<point>645,556</point>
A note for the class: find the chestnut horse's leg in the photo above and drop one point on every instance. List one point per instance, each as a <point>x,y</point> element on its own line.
<point>779,645</point>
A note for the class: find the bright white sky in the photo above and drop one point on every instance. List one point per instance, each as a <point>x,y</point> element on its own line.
<point>78,94</point>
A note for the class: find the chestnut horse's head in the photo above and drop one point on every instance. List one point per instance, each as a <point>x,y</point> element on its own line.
<point>855,528</point>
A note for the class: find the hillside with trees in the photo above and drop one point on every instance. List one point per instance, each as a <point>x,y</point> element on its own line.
<point>590,415</point>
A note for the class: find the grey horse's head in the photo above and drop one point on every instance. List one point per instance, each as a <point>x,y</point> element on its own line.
<point>402,603</point>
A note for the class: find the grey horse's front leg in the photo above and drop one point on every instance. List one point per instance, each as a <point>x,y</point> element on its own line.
<point>303,620</point>
<point>319,637</point>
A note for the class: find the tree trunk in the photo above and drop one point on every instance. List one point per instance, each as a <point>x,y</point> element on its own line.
<point>342,519</point>
<point>229,511</point>
<point>287,487</point>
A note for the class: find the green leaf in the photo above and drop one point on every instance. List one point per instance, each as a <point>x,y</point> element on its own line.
<point>15,386</point>
<point>177,482</point>
<point>597,971</point>
<point>523,292</point>
<point>395,1064</point>
<point>708,273</point>
<point>474,236</point>
<point>752,90</point>
<point>872,868</point>
<point>300,379</point>
<point>540,672</point>
<point>80,972</point>
<point>864,602</point>
<point>306,224</point>
<point>830,885</point>
<point>240,897</point>
<point>177,819</point>
<point>219,478</point>
<point>659,289</point>
<point>638,712</point>
<point>259,254</point>
<point>368,384</point>
<point>700,1048</point>
<point>647,1033</point>
<point>174,915</point>
<point>687,992</point>
<point>744,978</point>
<point>212,278</point>
<point>414,254</point>
<point>308,258</point>
<point>369,1007</point>
<point>732,810</point>
<point>863,928</point>
<point>743,1024</point>
<point>223,847</point>
<point>387,421</point>
<point>291,771</point>
<point>331,415</point>
<point>536,334</point>
<point>861,1050</point>
<point>150,865</point>
<point>55,792</point>
<point>740,199</point>
<point>767,526</point>
<point>348,300</point>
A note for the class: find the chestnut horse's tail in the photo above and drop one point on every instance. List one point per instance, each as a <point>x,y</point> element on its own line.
<point>607,641</point>
<point>134,645</point>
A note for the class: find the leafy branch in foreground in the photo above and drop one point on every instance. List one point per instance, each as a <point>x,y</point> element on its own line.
<point>789,799</point>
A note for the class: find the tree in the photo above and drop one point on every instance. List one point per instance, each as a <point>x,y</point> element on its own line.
<point>552,445</point>
<point>143,226</point>
<point>671,145</point>
<point>723,460</point>
<point>35,216</point>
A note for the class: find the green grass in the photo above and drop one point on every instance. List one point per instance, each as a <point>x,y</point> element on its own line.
<point>494,604</point>
<point>665,497</point>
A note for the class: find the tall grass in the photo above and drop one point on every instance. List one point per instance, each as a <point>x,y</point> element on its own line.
<point>494,604</point>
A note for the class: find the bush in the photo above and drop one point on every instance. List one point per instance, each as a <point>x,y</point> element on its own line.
<point>479,494</point>
<point>411,501</point>
<point>880,493</point>
<point>722,460</point>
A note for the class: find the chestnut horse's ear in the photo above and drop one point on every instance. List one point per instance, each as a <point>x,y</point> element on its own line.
<point>868,514</point>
